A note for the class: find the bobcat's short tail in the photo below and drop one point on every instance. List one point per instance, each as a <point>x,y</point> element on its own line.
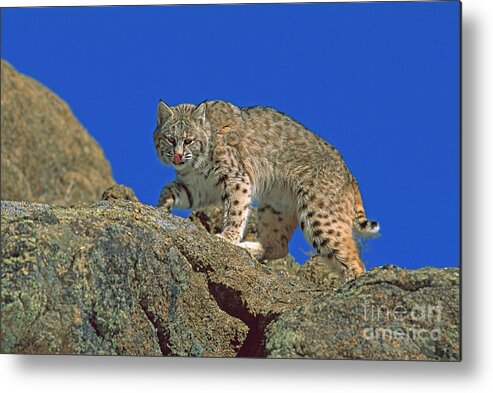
<point>362,225</point>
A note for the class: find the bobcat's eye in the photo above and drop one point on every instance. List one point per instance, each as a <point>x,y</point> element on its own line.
<point>171,140</point>
<point>188,141</point>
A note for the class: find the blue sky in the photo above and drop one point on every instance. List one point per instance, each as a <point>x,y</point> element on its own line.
<point>380,81</point>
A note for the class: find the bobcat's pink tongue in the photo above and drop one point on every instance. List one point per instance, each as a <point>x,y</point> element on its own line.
<point>177,159</point>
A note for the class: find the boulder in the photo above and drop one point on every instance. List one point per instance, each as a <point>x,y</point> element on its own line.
<point>387,313</point>
<point>122,278</point>
<point>46,154</point>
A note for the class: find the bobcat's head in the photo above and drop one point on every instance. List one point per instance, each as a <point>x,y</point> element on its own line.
<point>182,135</point>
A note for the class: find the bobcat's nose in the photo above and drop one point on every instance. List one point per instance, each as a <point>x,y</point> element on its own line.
<point>177,158</point>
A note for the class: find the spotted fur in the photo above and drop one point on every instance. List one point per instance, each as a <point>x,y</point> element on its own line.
<point>230,156</point>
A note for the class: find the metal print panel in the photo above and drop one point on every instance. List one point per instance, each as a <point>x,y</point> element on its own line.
<point>268,180</point>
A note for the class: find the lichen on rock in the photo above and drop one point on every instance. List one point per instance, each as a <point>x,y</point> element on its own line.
<point>386,314</point>
<point>125,278</point>
<point>122,278</point>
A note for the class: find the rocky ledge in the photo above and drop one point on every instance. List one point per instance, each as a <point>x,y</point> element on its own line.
<point>122,278</point>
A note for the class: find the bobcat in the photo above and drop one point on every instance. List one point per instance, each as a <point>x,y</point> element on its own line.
<point>223,154</point>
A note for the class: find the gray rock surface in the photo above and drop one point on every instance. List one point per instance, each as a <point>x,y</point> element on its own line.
<point>386,314</point>
<point>124,278</point>
<point>118,277</point>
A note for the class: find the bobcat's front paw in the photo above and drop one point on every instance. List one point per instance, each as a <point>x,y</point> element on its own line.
<point>165,203</point>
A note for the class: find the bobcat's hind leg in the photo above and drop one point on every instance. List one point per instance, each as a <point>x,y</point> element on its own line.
<point>329,228</point>
<point>275,229</point>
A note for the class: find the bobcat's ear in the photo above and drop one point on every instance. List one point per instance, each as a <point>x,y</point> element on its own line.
<point>164,113</point>
<point>198,113</point>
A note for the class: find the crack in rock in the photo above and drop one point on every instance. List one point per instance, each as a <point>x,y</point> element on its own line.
<point>160,332</point>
